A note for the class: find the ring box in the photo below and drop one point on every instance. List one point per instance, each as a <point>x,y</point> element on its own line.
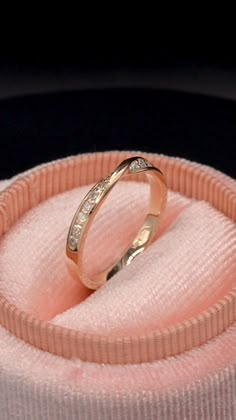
<point>54,360</point>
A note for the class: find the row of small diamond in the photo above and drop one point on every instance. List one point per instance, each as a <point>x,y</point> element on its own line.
<point>83,213</point>
<point>88,205</point>
<point>139,164</point>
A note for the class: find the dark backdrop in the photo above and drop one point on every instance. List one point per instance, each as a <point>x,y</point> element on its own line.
<point>37,128</point>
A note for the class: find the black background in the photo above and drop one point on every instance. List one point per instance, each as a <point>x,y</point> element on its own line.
<point>40,127</point>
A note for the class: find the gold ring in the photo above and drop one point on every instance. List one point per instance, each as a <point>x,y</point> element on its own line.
<point>91,204</point>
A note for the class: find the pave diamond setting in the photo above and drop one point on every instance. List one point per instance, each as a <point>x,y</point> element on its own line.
<point>93,196</point>
<point>87,207</point>
<point>73,242</point>
<point>83,213</point>
<point>81,217</point>
<point>77,230</point>
<point>139,164</point>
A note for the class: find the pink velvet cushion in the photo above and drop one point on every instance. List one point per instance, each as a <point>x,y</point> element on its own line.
<point>189,267</point>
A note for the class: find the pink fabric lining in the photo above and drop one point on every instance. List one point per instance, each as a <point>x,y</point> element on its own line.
<point>190,266</point>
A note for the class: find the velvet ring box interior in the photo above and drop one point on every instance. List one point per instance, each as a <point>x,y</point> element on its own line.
<point>157,341</point>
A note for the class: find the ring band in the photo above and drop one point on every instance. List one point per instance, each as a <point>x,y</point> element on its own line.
<point>91,204</point>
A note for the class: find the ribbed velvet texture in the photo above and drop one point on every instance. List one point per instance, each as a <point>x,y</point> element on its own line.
<point>189,267</point>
